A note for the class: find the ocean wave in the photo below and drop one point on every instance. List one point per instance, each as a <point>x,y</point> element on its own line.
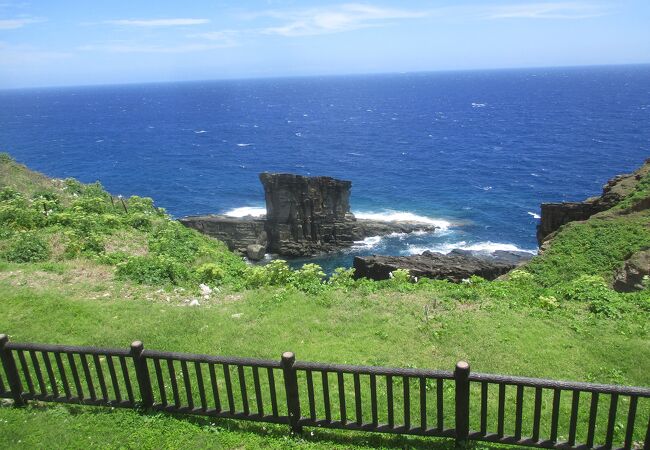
<point>402,216</point>
<point>486,247</point>
<point>200,132</point>
<point>535,215</point>
<point>255,211</point>
<point>243,145</point>
<point>367,243</point>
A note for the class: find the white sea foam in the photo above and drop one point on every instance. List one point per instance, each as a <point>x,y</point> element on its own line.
<point>243,145</point>
<point>478,105</point>
<point>367,243</point>
<point>402,216</point>
<point>486,247</point>
<point>200,132</point>
<point>535,215</point>
<point>255,211</point>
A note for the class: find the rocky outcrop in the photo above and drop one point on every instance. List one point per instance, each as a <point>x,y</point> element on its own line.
<point>454,266</point>
<point>305,216</point>
<point>554,215</point>
<point>237,232</point>
<point>629,278</point>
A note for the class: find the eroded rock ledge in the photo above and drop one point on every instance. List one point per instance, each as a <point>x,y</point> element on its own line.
<point>554,215</point>
<point>305,216</point>
<point>455,266</point>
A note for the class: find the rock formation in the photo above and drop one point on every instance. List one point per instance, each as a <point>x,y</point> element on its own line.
<point>237,233</point>
<point>554,215</point>
<point>629,278</point>
<point>305,216</point>
<point>454,266</point>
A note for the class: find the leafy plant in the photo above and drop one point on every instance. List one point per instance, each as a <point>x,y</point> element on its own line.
<point>27,247</point>
<point>153,270</point>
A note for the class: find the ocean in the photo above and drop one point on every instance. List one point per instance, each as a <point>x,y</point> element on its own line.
<point>475,152</point>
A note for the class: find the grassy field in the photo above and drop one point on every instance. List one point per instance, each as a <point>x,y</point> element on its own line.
<point>555,319</point>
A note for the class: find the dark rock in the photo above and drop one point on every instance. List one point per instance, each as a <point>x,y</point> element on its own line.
<point>305,216</point>
<point>237,232</point>
<point>255,252</point>
<point>454,266</point>
<point>629,278</point>
<point>554,215</point>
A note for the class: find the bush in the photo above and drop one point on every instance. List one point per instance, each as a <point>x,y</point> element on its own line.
<point>342,277</point>
<point>548,302</point>
<point>83,243</point>
<point>210,273</point>
<point>587,288</point>
<point>153,270</point>
<point>27,247</point>
<point>278,272</point>
<point>175,241</point>
<point>309,278</point>
<point>140,222</point>
<point>593,289</point>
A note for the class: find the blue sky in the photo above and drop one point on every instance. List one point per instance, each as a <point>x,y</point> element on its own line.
<point>65,42</point>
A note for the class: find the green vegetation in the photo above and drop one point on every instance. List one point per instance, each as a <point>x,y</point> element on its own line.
<point>78,266</point>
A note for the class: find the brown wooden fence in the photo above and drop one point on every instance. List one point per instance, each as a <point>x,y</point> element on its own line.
<point>459,404</point>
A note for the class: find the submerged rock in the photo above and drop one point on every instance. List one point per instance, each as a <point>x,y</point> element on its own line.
<point>454,266</point>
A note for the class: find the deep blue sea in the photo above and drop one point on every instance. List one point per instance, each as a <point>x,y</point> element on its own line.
<point>477,152</point>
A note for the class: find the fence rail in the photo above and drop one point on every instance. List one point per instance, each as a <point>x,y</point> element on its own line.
<point>460,404</point>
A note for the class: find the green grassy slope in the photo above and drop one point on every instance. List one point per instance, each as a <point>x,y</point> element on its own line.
<point>110,276</point>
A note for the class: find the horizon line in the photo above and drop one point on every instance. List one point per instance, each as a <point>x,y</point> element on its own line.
<point>330,75</point>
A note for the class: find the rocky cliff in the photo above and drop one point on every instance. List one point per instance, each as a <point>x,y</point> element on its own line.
<point>305,216</point>
<point>554,215</point>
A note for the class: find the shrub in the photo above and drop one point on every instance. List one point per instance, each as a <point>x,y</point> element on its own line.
<point>8,193</point>
<point>18,215</point>
<point>174,241</point>
<point>83,243</point>
<point>342,277</point>
<point>210,273</point>
<point>587,288</point>
<point>278,272</point>
<point>153,270</point>
<point>27,247</point>
<point>309,278</point>
<point>548,302</point>
<point>140,222</point>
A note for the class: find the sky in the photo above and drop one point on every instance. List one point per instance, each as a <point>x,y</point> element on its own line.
<point>68,42</point>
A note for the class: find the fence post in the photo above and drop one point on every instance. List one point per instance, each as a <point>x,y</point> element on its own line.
<point>291,389</point>
<point>142,373</point>
<point>461,379</point>
<point>13,378</point>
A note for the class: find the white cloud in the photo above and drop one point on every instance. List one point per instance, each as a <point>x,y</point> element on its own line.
<point>12,24</point>
<point>12,54</point>
<point>134,47</point>
<point>158,22</point>
<point>553,10</point>
<point>335,19</point>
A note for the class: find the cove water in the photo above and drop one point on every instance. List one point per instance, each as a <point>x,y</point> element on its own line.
<point>474,152</point>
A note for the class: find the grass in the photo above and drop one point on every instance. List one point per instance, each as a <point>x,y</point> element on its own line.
<point>88,297</point>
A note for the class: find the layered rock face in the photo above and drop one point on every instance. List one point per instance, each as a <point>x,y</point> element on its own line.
<point>454,266</point>
<point>307,215</point>
<point>554,215</point>
<point>237,233</point>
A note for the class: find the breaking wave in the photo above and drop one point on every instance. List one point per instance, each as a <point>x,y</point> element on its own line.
<point>244,211</point>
